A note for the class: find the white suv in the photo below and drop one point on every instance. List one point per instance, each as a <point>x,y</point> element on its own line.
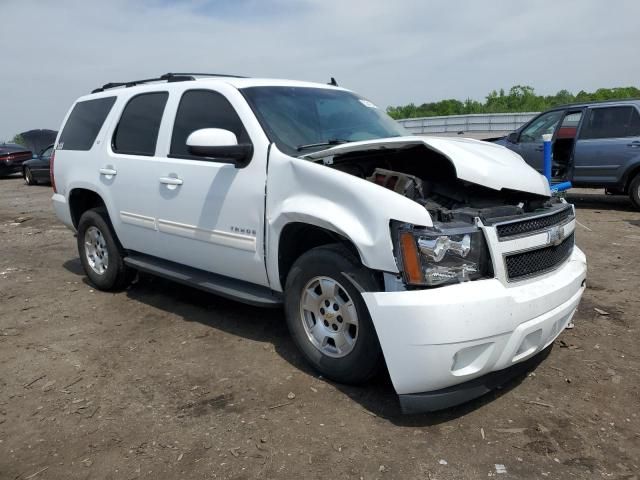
<point>447,259</point>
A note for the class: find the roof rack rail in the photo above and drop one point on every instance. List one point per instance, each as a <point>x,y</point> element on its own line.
<point>204,75</point>
<point>168,77</point>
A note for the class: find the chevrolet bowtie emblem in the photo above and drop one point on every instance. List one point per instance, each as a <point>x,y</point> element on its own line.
<point>556,235</point>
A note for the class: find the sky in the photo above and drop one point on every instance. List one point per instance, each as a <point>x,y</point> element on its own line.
<point>392,52</point>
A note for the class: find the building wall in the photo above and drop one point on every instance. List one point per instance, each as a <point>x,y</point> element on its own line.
<point>475,125</point>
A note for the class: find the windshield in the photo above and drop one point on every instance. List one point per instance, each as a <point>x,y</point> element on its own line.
<point>301,120</point>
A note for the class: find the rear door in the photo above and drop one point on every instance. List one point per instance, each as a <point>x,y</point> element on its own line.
<point>127,172</point>
<point>530,144</point>
<point>211,215</point>
<point>608,140</point>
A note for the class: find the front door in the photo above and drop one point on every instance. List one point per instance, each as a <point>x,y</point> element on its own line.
<point>530,144</point>
<point>40,170</point>
<point>210,213</point>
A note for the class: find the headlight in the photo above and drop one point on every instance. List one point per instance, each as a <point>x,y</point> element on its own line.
<point>432,257</point>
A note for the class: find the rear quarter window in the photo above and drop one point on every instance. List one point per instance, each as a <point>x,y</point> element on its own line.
<point>84,123</point>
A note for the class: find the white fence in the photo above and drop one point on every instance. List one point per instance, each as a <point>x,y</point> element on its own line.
<point>474,124</point>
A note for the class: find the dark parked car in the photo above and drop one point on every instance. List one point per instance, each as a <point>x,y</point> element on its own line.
<point>593,144</point>
<point>36,170</point>
<point>11,158</point>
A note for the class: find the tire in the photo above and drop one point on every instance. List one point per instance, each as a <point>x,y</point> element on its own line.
<point>101,255</point>
<point>634,191</point>
<point>28,177</point>
<point>355,355</point>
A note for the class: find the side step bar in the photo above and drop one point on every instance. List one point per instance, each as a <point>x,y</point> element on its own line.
<point>239,290</point>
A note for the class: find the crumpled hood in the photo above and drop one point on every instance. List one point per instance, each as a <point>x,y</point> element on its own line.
<point>475,161</point>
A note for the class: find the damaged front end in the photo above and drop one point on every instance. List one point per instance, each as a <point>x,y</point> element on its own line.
<point>485,281</point>
<point>457,246</point>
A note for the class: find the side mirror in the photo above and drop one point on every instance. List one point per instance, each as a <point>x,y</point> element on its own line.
<point>512,137</point>
<point>219,144</point>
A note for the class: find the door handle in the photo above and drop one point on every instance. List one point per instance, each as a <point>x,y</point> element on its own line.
<point>171,180</point>
<point>108,171</point>
<point>539,149</point>
<point>635,144</point>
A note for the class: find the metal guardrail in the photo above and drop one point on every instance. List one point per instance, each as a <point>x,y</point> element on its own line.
<point>453,124</point>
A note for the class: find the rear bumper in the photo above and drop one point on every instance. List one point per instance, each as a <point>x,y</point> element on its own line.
<point>11,168</point>
<point>61,208</point>
<point>441,338</point>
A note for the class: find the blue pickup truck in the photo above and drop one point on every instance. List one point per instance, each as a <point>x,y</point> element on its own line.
<point>594,144</point>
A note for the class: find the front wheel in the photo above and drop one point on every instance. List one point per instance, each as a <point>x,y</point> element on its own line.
<point>634,191</point>
<point>100,253</point>
<point>28,177</point>
<point>327,316</point>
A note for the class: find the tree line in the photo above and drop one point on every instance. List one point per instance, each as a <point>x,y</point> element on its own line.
<point>520,98</point>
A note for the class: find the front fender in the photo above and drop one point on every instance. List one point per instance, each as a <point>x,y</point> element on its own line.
<point>302,191</point>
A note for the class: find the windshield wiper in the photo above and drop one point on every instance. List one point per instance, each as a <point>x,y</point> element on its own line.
<point>332,141</point>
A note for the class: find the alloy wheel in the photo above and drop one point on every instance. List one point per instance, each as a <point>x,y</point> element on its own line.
<point>329,317</point>
<point>95,247</point>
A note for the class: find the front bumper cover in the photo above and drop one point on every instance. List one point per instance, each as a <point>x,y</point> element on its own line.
<point>437,340</point>
<point>412,403</point>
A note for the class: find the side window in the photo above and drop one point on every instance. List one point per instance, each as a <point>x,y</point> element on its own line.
<point>84,123</point>
<point>137,131</point>
<point>46,153</point>
<point>611,122</point>
<point>545,123</point>
<point>203,109</point>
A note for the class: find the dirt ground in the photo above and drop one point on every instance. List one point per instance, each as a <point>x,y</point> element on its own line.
<point>162,381</point>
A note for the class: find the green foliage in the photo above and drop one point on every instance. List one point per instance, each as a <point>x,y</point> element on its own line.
<point>520,98</point>
<point>19,139</point>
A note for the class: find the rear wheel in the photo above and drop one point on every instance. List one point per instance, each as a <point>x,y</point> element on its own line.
<point>634,191</point>
<point>100,253</point>
<point>327,316</point>
<point>28,176</point>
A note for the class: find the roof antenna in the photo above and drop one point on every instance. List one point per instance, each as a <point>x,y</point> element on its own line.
<point>333,82</point>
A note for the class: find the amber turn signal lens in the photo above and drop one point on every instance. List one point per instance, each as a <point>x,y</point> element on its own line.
<point>410,259</point>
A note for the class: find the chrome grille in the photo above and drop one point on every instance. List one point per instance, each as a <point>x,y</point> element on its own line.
<point>514,229</point>
<point>536,262</point>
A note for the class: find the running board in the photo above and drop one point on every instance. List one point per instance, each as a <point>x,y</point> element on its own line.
<point>239,290</point>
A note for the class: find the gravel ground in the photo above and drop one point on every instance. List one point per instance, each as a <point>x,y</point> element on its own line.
<point>162,381</point>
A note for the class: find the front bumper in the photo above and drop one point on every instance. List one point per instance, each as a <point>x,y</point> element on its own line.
<point>463,392</point>
<point>439,338</point>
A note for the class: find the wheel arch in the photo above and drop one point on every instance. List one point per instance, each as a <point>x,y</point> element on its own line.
<point>81,200</point>
<point>298,237</point>
<point>630,174</point>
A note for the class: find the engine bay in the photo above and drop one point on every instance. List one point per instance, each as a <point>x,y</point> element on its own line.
<point>429,178</point>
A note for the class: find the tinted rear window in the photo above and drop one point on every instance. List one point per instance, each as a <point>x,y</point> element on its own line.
<point>84,123</point>
<point>137,131</point>
<point>612,122</point>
